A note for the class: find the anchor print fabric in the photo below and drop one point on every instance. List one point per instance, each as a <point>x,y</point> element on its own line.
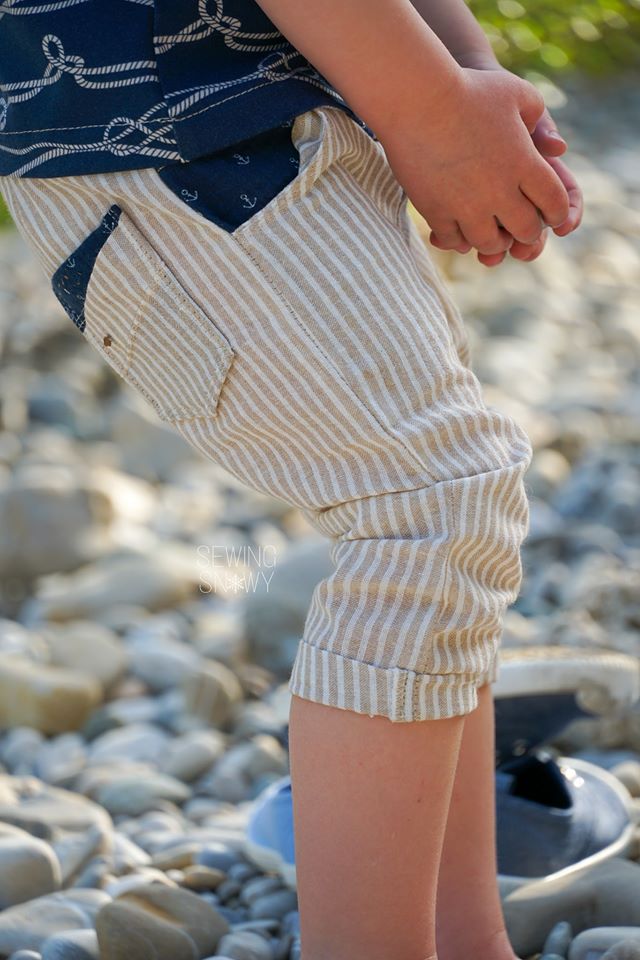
<point>230,186</point>
<point>71,279</point>
<point>91,86</point>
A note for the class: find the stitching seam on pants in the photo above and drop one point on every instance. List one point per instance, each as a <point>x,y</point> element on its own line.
<point>405,679</point>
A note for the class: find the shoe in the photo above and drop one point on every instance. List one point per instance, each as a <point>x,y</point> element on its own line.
<point>268,839</point>
<point>541,689</point>
<point>557,815</point>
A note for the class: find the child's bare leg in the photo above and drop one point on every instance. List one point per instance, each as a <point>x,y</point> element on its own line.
<point>467,885</point>
<point>370,802</point>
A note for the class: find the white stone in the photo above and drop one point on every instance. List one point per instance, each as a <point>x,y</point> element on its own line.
<point>51,699</point>
<point>593,943</point>
<point>137,742</point>
<point>191,755</point>
<point>132,795</point>
<point>90,648</point>
<point>29,867</point>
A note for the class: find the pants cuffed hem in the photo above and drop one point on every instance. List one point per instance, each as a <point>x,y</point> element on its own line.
<point>393,692</point>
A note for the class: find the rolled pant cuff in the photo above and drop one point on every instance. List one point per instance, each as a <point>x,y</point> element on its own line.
<point>393,692</point>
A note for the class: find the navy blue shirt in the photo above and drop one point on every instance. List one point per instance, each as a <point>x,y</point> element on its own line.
<point>91,86</point>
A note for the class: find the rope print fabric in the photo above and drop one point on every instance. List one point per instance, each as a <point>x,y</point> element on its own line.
<point>90,86</point>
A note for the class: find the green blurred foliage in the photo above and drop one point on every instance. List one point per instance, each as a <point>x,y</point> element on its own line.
<point>554,36</point>
<point>5,219</point>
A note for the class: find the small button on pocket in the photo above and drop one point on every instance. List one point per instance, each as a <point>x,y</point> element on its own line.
<point>130,306</point>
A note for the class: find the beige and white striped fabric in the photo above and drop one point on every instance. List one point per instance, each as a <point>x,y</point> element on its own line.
<point>315,353</point>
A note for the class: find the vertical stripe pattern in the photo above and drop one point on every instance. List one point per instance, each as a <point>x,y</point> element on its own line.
<point>338,380</point>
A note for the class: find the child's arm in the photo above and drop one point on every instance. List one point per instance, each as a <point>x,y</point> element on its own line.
<point>457,139</point>
<point>459,30</point>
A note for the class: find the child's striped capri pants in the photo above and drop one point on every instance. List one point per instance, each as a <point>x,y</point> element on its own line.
<point>315,353</point>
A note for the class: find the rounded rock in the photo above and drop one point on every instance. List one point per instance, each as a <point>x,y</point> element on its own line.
<point>20,749</point>
<point>48,812</point>
<point>605,894</point>
<point>202,878</point>
<point>175,856</point>
<point>243,871</point>
<point>137,742</point>
<point>274,905</point>
<point>50,699</point>
<point>245,945</point>
<point>29,925</point>
<point>259,887</point>
<point>217,856</point>
<point>60,759</point>
<point>133,795</point>
<point>162,664</point>
<point>71,945</point>
<point>172,923</point>
<point>624,950</point>
<point>629,774</point>
<point>141,878</point>
<point>89,647</point>
<point>192,754</point>
<point>75,851</point>
<point>211,692</point>
<point>28,867</point>
<point>559,939</point>
<point>596,942</point>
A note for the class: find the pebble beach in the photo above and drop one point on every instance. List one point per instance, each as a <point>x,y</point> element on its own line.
<point>150,605</point>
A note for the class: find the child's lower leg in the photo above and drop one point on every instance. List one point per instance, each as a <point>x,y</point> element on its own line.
<point>370,803</point>
<point>467,885</point>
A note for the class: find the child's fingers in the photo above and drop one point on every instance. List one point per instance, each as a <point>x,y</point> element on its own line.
<point>446,235</point>
<point>529,251</point>
<point>491,261</point>
<point>487,236</point>
<point>549,145</point>
<point>462,247</point>
<point>574,194</point>
<point>526,252</point>
<point>522,220</point>
<point>547,138</point>
<point>545,190</point>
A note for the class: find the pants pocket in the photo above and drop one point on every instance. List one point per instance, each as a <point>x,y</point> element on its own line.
<point>130,306</point>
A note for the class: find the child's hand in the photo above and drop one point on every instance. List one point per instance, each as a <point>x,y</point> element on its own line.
<point>473,171</point>
<point>550,145</point>
<point>529,252</point>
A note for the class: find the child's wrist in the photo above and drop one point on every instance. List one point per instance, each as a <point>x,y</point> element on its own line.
<point>422,103</point>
